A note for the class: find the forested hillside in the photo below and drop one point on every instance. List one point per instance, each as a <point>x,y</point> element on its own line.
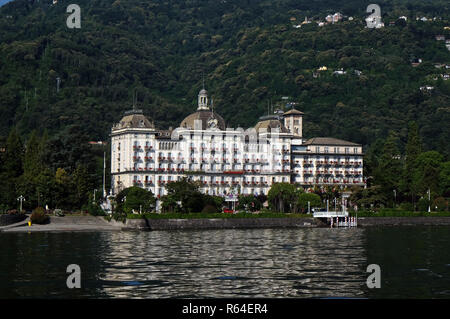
<point>249,53</point>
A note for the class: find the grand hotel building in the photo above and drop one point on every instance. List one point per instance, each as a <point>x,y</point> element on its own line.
<point>228,160</point>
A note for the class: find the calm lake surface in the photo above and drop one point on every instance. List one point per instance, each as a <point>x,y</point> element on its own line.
<point>284,263</point>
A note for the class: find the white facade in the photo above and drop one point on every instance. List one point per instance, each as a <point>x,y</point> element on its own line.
<point>225,160</point>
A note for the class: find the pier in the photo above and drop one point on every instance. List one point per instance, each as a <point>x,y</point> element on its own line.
<point>337,218</point>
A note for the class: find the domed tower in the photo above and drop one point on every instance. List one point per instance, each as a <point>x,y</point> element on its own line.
<point>204,118</point>
<point>203,100</point>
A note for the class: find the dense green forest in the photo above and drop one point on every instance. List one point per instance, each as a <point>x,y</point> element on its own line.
<point>248,52</point>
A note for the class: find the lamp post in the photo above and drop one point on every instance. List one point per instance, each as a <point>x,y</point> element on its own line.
<point>104,174</point>
<point>21,199</point>
<point>395,197</point>
<point>429,201</point>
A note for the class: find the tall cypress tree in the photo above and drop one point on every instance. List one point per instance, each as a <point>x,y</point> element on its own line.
<point>11,169</point>
<point>413,150</point>
<point>390,169</point>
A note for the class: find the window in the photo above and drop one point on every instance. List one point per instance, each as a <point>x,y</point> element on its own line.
<point>355,150</point>
<point>347,150</point>
<point>317,149</point>
<point>336,149</point>
<point>326,149</point>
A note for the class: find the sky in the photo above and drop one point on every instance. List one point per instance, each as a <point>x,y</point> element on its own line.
<point>2,2</point>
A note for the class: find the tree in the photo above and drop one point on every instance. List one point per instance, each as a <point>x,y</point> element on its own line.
<point>413,150</point>
<point>427,172</point>
<point>282,196</point>
<point>368,198</point>
<point>187,193</point>
<point>390,167</point>
<point>313,199</point>
<point>444,179</point>
<point>11,169</point>
<point>83,185</point>
<point>249,202</point>
<point>32,168</point>
<point>138,199</point>
<point>63,188</point>
<point>169,205</point>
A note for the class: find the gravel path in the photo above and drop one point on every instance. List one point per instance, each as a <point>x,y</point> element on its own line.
<point>66,223</point>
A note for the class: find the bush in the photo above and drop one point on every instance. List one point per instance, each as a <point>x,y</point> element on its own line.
<point>94,209</point>
<point>39,216</point>
<point>422,205</point>
<point>406,206</point>
<point>3,209</point>
<point>209,209</point>
<point>440,204</point>
<point>12,212</point>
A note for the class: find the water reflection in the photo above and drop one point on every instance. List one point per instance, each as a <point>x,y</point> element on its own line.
<point>235,263</point>
<point>277,263</point>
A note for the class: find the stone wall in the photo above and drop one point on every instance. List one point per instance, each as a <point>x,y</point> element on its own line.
<point>402,221</point>
<point>7,219</point>
<point>247,223</point>
<point>222,223</point>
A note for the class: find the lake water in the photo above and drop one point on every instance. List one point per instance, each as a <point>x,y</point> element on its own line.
<point>300,263</point>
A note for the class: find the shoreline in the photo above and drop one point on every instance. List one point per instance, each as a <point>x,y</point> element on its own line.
<point>91,223</point>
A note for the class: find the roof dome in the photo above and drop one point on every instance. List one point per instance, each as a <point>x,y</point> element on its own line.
<point>207,118</point>
<point>134,119</point>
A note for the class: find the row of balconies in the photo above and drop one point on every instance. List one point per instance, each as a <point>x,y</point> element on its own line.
<point>334,182</point>
<point>146,147</point>
<point>205,148</point>
<point>137,182</point>
<point>308,163</point>
<point>310,172</point>
<point>206,160</point>
<point>180,170</point>
<point>170,159</point>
